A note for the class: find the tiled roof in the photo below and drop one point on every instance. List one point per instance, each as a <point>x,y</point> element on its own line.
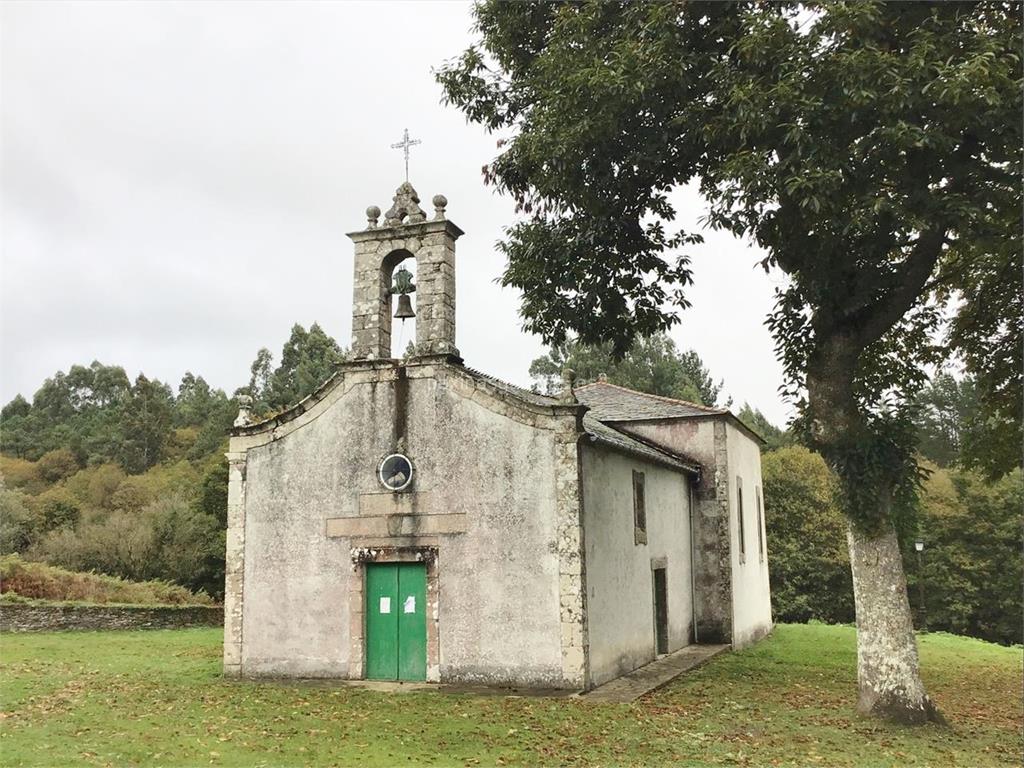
<point>609,402</point>
<point>511,389</point>
<point>612,438</point>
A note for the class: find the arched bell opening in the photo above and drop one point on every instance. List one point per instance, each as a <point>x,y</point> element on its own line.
<point>398,301</point>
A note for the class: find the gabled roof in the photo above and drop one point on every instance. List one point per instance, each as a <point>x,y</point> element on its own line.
<point>619,441</point>
<point>610,402</point>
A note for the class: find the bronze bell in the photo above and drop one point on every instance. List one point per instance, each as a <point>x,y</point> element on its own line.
<point>404,307</point>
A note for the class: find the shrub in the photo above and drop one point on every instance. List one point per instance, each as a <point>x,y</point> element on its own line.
<point>45,582</point>
<point>131,495</point>
<point>21,474</point>
<point>809,562</point>
<point>17,522</point>
<point>57,465</point>
<point>213,492</point>
<point>57,508</point>
<point>167,539</point>
<point>95,486</point>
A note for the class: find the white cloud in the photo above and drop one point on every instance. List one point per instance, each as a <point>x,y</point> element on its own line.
<point>178,178</point>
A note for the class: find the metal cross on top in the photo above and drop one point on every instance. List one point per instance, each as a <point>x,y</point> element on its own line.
<point>404,144</point>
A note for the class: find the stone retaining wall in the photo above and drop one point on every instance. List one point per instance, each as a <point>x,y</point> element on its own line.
<point>28,617</point>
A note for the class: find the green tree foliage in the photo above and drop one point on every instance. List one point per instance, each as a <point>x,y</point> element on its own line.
<point>129,479</point>
<point>209,410</point>
<point>987,331</point>
<point>971,528</point>
<point>16,437</point>
<point>18,525</point>
<point>308,359</point>
<point>972,566</point>
<point>808,561</point>
<point>145,424</point>
<point>774,436</point>
<point>196,401</point>
<point>653,364</point>
<point>955,427</point>
<point>867,147</point>
<point>78,411</point>
<point>946,411</point>
<point>213,492</point>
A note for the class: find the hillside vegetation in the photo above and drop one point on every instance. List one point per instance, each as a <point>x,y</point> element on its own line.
<point>39,581</point>
<point>157,698</point>
<point>99,473</point>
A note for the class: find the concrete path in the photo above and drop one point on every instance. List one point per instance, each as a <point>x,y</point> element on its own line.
<point>635,684</point>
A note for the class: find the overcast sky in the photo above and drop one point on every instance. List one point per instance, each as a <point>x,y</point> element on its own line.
<point>178,179</point>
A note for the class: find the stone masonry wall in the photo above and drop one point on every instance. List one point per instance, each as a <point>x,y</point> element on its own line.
<point>494,497</point>
<point>27,617</point>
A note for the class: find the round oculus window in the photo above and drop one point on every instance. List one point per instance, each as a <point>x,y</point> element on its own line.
<point>395,472</point>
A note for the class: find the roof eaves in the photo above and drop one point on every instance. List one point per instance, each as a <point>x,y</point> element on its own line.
<point>629,444</point>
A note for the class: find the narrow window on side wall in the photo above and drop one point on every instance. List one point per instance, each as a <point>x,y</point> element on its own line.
<point>639,509</point>
<point>739,519</point>
<point>760,525</point>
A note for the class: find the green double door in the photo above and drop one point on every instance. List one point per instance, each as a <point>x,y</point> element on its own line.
<point>396,621</point>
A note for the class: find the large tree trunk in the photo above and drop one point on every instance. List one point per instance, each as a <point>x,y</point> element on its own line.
<point>888,673</point>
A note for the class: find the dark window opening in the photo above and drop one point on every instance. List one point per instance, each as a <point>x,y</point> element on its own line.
<point>739,518</point>
<point>639,509</point>
<point>760,525</point>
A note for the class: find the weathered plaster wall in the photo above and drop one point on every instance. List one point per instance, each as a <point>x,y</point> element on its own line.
<point>620,585</point>
<point>706,441</point>
<point>485,495</point>
<point>752,608</point>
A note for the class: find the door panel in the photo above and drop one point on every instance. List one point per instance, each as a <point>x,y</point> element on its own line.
<point>396,621</point>
<point>382,621</point>
<point>660,611</point>
<point>412,622</point>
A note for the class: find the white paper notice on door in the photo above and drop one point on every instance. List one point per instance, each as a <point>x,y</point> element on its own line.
<point>385,605</point>
<point>410,604</point>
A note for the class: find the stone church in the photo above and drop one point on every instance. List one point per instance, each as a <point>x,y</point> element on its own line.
<point>416,519</point>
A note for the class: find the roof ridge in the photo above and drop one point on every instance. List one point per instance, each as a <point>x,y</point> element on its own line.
<point>676,400</point>
<point>514,388</point>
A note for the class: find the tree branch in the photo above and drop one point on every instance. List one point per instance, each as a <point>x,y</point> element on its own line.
<point>910,282</point>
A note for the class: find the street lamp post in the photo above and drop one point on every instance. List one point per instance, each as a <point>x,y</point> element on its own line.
<point>919,546</point>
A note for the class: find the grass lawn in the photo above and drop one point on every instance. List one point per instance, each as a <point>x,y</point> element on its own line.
<point>157,698</point>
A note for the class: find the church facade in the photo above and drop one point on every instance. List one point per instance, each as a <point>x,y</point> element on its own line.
<point>418,520</point>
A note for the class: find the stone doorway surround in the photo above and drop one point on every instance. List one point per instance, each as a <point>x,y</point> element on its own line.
<point>357,603</point>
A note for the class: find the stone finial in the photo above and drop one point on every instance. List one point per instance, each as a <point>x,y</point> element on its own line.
<point>372,214</point>
<point>602,377</point>
<point>440,203</point>
<point>405,205</point>
<point>568,384</point>
<point>244,417</point>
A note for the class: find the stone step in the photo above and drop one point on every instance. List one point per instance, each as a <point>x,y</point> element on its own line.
<point>649,677</point>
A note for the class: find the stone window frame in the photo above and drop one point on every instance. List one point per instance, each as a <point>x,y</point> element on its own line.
<point>739,520</point>
<point>639,507</point>
<point>361,556</point>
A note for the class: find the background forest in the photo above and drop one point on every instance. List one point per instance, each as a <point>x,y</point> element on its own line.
<point>129,479</point>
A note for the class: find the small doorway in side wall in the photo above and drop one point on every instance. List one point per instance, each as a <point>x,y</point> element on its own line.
<point>660,611</point>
